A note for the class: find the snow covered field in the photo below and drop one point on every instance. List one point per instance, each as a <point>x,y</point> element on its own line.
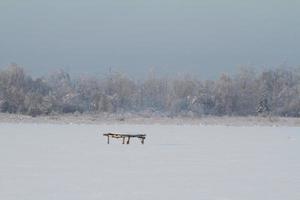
<point>73,162</point>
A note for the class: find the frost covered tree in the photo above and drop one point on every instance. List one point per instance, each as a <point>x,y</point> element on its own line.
<point>13,89</point>
<point>263,107</point>
<point>248,92</point>
<point>246,88</point>
<point>225,96</point>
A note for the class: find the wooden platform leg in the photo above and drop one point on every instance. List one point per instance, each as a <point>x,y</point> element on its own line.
<point>107,139</point>
<point>143,140</point>
<point>128,140</point>
<point>123,140</point>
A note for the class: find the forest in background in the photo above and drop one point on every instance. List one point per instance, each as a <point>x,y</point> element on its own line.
<point>247,93</point>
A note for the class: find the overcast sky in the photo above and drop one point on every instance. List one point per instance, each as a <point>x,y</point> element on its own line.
<point>204,37</point>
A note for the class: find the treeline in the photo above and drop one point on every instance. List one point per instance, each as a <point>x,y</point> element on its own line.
<point>268,92</point>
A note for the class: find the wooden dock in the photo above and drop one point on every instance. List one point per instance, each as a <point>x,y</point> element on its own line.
<point>125,137</point>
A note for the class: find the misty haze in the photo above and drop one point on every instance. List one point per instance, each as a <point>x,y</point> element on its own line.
<point>205,38</point>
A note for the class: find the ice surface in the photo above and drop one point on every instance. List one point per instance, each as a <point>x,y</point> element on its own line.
<point>73,162</point>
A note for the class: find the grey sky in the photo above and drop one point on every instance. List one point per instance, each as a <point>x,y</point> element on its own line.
<point>192,36</point>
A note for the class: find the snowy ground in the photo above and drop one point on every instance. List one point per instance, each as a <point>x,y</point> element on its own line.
<point>106,118</point>
<point>73,162</point>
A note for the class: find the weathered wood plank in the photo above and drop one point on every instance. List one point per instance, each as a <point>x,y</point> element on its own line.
<point>124,136</point>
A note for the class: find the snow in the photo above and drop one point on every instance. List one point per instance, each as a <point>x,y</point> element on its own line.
<point>73,162</point>
<point>127,118</point>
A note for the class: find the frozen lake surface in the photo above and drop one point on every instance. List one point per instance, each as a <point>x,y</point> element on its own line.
<point>73,162</point>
